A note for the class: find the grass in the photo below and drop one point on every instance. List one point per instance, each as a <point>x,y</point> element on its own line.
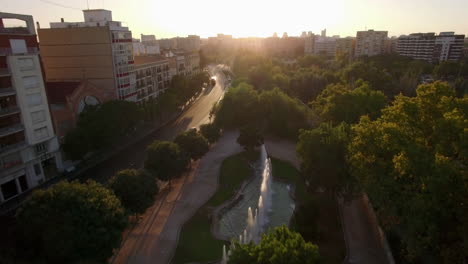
<point>196,243</point>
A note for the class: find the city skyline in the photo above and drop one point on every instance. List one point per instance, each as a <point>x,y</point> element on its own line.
<point>340,17</point>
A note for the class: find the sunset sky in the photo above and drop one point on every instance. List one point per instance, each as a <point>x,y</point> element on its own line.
<point>170,18</point>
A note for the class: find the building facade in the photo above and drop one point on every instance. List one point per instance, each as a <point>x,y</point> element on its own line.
<point>370,43</point>
<point>345,46</point>
<point>431,47</point>
<point>152,75</point>
<point>29,149</point>
<point>98,50</point>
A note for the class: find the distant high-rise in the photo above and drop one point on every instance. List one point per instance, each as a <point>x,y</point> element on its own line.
<point>370,43</point>
<point>323,33</point>
<point>430,47</point>
<point>29,149</point>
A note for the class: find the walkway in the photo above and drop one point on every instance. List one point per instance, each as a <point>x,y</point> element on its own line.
<point>363,239</point>
<point>154,240</point>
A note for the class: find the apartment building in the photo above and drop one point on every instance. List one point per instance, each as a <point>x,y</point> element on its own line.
<point>98,50</point>
<point>449,47</point>
<point>370,43</point>
<point>431,47</point>
<point>152,75</point>
<point>29,149</point>
<point>419,46</point>
<point>182,62</point>
<point>345,46</point>
<point>309,40</point>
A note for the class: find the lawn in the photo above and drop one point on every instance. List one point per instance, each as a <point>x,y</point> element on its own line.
<point>196,243</point>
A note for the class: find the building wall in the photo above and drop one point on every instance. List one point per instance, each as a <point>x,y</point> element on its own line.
<point>370,43</point>
<point>79,53</point>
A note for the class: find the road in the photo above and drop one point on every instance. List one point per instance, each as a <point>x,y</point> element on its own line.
<point>196,115</point>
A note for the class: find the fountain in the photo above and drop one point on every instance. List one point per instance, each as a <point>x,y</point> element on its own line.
<point>267,194</point>
<point>225,256</point>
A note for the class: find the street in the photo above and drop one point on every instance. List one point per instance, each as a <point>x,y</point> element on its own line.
<point>134,155</point>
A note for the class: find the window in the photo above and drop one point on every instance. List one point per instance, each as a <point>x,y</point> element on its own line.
<point>40,148</point>
<point>26,63</point>
<point>18,46</point>
<point>23,183</point>
<point>30,82</point>
<point>37,116</point>
<point>37,169</point>
<point>9,189</point>
<point>34,99</point>
<point>41,133</point>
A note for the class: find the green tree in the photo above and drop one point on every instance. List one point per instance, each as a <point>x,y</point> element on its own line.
<point>339,103</point>
<point>412,162</point>
<point>72,222</point>
<point>278,246</point>
<point>211,132</point>
<point>284,115</point>
<point>101,126</point>
<point>250,137</point>
<point>193,143</point>
<point>135,189</point>
<point>323,154</point>
<point>238,108</point>
<point>166,160</point>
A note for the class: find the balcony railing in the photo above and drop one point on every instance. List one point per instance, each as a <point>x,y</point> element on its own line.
<point>5,131</point>
<point>9,51</point>
<point>6,148</point>
<point>9,110</point>
<point>7,91</point>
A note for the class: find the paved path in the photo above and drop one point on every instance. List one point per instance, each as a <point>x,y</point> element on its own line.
<point>363,239</point>
<point>155,238</point>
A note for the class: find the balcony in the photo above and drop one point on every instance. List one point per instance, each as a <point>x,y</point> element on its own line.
<point>5,131</point>
<point>15,146</point>
<point>7,91</point>
<point>9,110</point>
<point>9,51</point>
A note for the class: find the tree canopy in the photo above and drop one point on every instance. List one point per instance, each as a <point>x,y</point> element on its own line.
<point>166,160</point>
<point>71,222</point>
<point>278,246</point>
<point>412,162</point>
<point>193,143</point>
<point>100,126</point>
<point>135,189</point>
<point>250,137</point>
<point>339,103</point>
<point>211,132</point>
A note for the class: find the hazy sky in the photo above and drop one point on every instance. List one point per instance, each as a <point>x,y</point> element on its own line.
<point>169,18</point>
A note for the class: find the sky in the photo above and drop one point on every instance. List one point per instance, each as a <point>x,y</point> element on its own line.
<point>244,18</point>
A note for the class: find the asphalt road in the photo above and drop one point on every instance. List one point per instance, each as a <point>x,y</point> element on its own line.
<point>196,115</point>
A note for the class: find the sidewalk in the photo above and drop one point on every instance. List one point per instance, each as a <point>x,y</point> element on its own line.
<point>155,238</point>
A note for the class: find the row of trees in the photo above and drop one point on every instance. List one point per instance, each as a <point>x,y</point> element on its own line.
<point>411,161</point>
<point>103,125</point>
<point>74,222</point>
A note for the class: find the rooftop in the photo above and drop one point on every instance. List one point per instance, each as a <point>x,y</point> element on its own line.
<point>148,59</point>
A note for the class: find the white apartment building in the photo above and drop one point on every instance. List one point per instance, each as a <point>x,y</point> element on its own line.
<point>370,43</point>
<point>29,149</point>
<point>431,47</point>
